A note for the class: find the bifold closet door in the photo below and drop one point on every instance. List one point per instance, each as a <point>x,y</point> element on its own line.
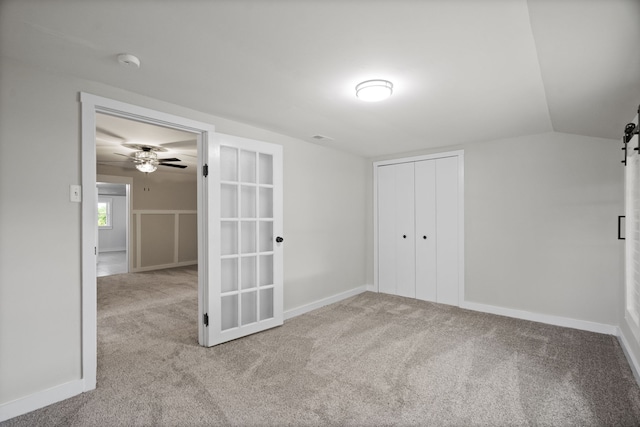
<point>426,237</point>
<point>396,230</point>
<point>447,262</point>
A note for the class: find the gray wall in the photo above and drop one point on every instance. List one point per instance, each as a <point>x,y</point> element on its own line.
<point>324,205</point>
<point>540,225</point>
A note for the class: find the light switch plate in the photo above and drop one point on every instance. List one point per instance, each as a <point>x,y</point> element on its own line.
<point>75,193</point>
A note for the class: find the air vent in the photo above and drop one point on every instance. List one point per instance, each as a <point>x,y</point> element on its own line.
<point>322,138</point>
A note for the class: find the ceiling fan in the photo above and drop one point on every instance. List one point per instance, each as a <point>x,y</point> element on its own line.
<point>146,158</point>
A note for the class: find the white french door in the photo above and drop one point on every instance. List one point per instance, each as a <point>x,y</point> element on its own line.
<point>245,244</point>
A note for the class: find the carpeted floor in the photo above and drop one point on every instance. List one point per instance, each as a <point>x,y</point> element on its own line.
<point>373,359</point>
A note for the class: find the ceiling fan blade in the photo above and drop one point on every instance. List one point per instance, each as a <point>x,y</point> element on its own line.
<point>172,165</point>
<point>108,136</point>
<point>173,159</point>
<point>124,155</point>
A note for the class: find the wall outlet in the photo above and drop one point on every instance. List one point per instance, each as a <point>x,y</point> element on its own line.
<point>75,193</point>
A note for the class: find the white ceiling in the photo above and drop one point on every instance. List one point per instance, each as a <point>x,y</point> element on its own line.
<point>114,133</point>
<point>463,70</point>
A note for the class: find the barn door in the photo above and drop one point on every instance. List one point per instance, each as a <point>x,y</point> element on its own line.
<point>244,253</point>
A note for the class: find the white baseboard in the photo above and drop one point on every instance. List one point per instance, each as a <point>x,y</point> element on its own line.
<point>566,322</point>
<point>288,314</point>
<point>164,266</point>
<point>633,362</point>
<point>104,251</point>
<point>40,399</point>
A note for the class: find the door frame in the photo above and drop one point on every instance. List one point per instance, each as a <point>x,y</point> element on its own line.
<point>460,156</point>
<point>205,132</point>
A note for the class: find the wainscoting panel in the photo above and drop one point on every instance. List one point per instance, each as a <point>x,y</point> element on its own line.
<point>164,239</point>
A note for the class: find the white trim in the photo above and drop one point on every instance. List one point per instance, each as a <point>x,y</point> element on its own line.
<point>163,212</point>
<point>566,322</point>
<point>40,399</point>
<point>120,249</point>
<point>413,159</point>
<point>633,362</point>
<point>288,314</point>
<point>164,266</point>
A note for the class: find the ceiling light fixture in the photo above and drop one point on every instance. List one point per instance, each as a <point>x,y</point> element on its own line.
<point>146,161</point>
<point>374,90</point>
<point>146,167</point>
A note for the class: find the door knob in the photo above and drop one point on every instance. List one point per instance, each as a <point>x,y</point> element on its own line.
<point>404,236</point>
<point>424,237</point>
<point>279,239</point>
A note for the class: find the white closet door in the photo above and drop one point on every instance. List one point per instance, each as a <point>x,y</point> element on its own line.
<point>396,256</point>
<point>447,230</point>
<point>405,233</point>
<point>425,196</point>
<point>386,230</point>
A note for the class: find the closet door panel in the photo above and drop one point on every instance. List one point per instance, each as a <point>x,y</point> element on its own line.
<point>447,230</point>
<point>425,200</point>
<point>386,230</point>
<point>405,231</point>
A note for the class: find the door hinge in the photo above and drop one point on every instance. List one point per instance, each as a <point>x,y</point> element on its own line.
<point>206,319</point>
<point>205,170</point>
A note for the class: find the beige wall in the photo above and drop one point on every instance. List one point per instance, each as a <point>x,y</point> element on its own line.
<point>159,190</point>
<point>324,204</point>
<point>540,225</point>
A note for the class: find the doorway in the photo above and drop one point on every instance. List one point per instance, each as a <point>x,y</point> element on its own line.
<point>114,211</point>
<point>203,134</point>
<point>239,228</point>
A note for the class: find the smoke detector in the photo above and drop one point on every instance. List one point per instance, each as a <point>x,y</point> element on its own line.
<point>129,60</point>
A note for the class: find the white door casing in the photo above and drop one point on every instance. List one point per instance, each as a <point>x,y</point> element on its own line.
<point>92,104</point>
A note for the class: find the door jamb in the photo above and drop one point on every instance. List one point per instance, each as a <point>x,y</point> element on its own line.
<point>90,105</point>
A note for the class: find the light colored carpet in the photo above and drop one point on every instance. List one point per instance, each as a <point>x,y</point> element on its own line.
<point>373,359</point>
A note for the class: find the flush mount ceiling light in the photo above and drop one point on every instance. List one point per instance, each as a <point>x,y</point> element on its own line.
<point>374,90</point>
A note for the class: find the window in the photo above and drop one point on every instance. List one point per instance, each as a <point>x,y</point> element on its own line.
<point>104,212</point>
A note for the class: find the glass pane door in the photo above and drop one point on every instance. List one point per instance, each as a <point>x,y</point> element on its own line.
<point>249,296</point>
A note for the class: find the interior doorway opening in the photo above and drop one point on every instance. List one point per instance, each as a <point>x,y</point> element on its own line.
<point>93,109</point>
<point>114,211</point>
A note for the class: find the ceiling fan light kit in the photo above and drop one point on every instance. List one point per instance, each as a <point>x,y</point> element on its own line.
<point>147,167</point>
<point>374,90</point>
<point>146,158</point>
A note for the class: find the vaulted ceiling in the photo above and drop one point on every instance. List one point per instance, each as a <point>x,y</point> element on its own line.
<point>463,70</point>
